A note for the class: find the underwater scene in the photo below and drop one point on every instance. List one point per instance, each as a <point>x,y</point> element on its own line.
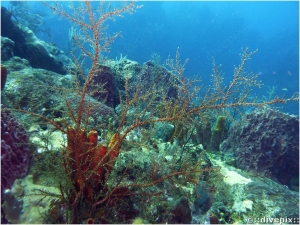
<point>131,112</point>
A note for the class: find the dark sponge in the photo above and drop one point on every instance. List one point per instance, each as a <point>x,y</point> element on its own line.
<point>266,143</point>
<point>14,150</point>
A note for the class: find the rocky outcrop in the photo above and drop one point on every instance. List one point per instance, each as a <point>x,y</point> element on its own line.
<point>26,45</point>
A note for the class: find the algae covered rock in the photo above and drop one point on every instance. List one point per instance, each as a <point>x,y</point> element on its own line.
<point>26,45</point>
<point>240,195</point>
<point>16,63</point>
<point>124,68</point>
<point>45,93</point>
<point>7,46</point>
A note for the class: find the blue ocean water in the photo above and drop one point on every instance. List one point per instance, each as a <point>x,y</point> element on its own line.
<point>205,30</point>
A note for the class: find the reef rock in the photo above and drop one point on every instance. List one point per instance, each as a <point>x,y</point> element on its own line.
<point>123,68</point>
<point>150,76</point>
<point>243,198</point>
<point>49,92</point>
<point>266,143</point>
<point>26,45</point>
<point>16,63</point>
<point>7,46</point>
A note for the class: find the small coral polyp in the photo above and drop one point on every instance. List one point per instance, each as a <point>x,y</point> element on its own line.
<point>90,164</point>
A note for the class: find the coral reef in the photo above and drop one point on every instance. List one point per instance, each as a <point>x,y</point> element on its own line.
<point>179,129</point>
<point>267,143</point>
<point>46,140</point>
<point>142,76</point>
<point>28,84</point>
<point>14,150</point>
<point>125,172</point>
<point>163,130</point>
<point>123,68</point>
